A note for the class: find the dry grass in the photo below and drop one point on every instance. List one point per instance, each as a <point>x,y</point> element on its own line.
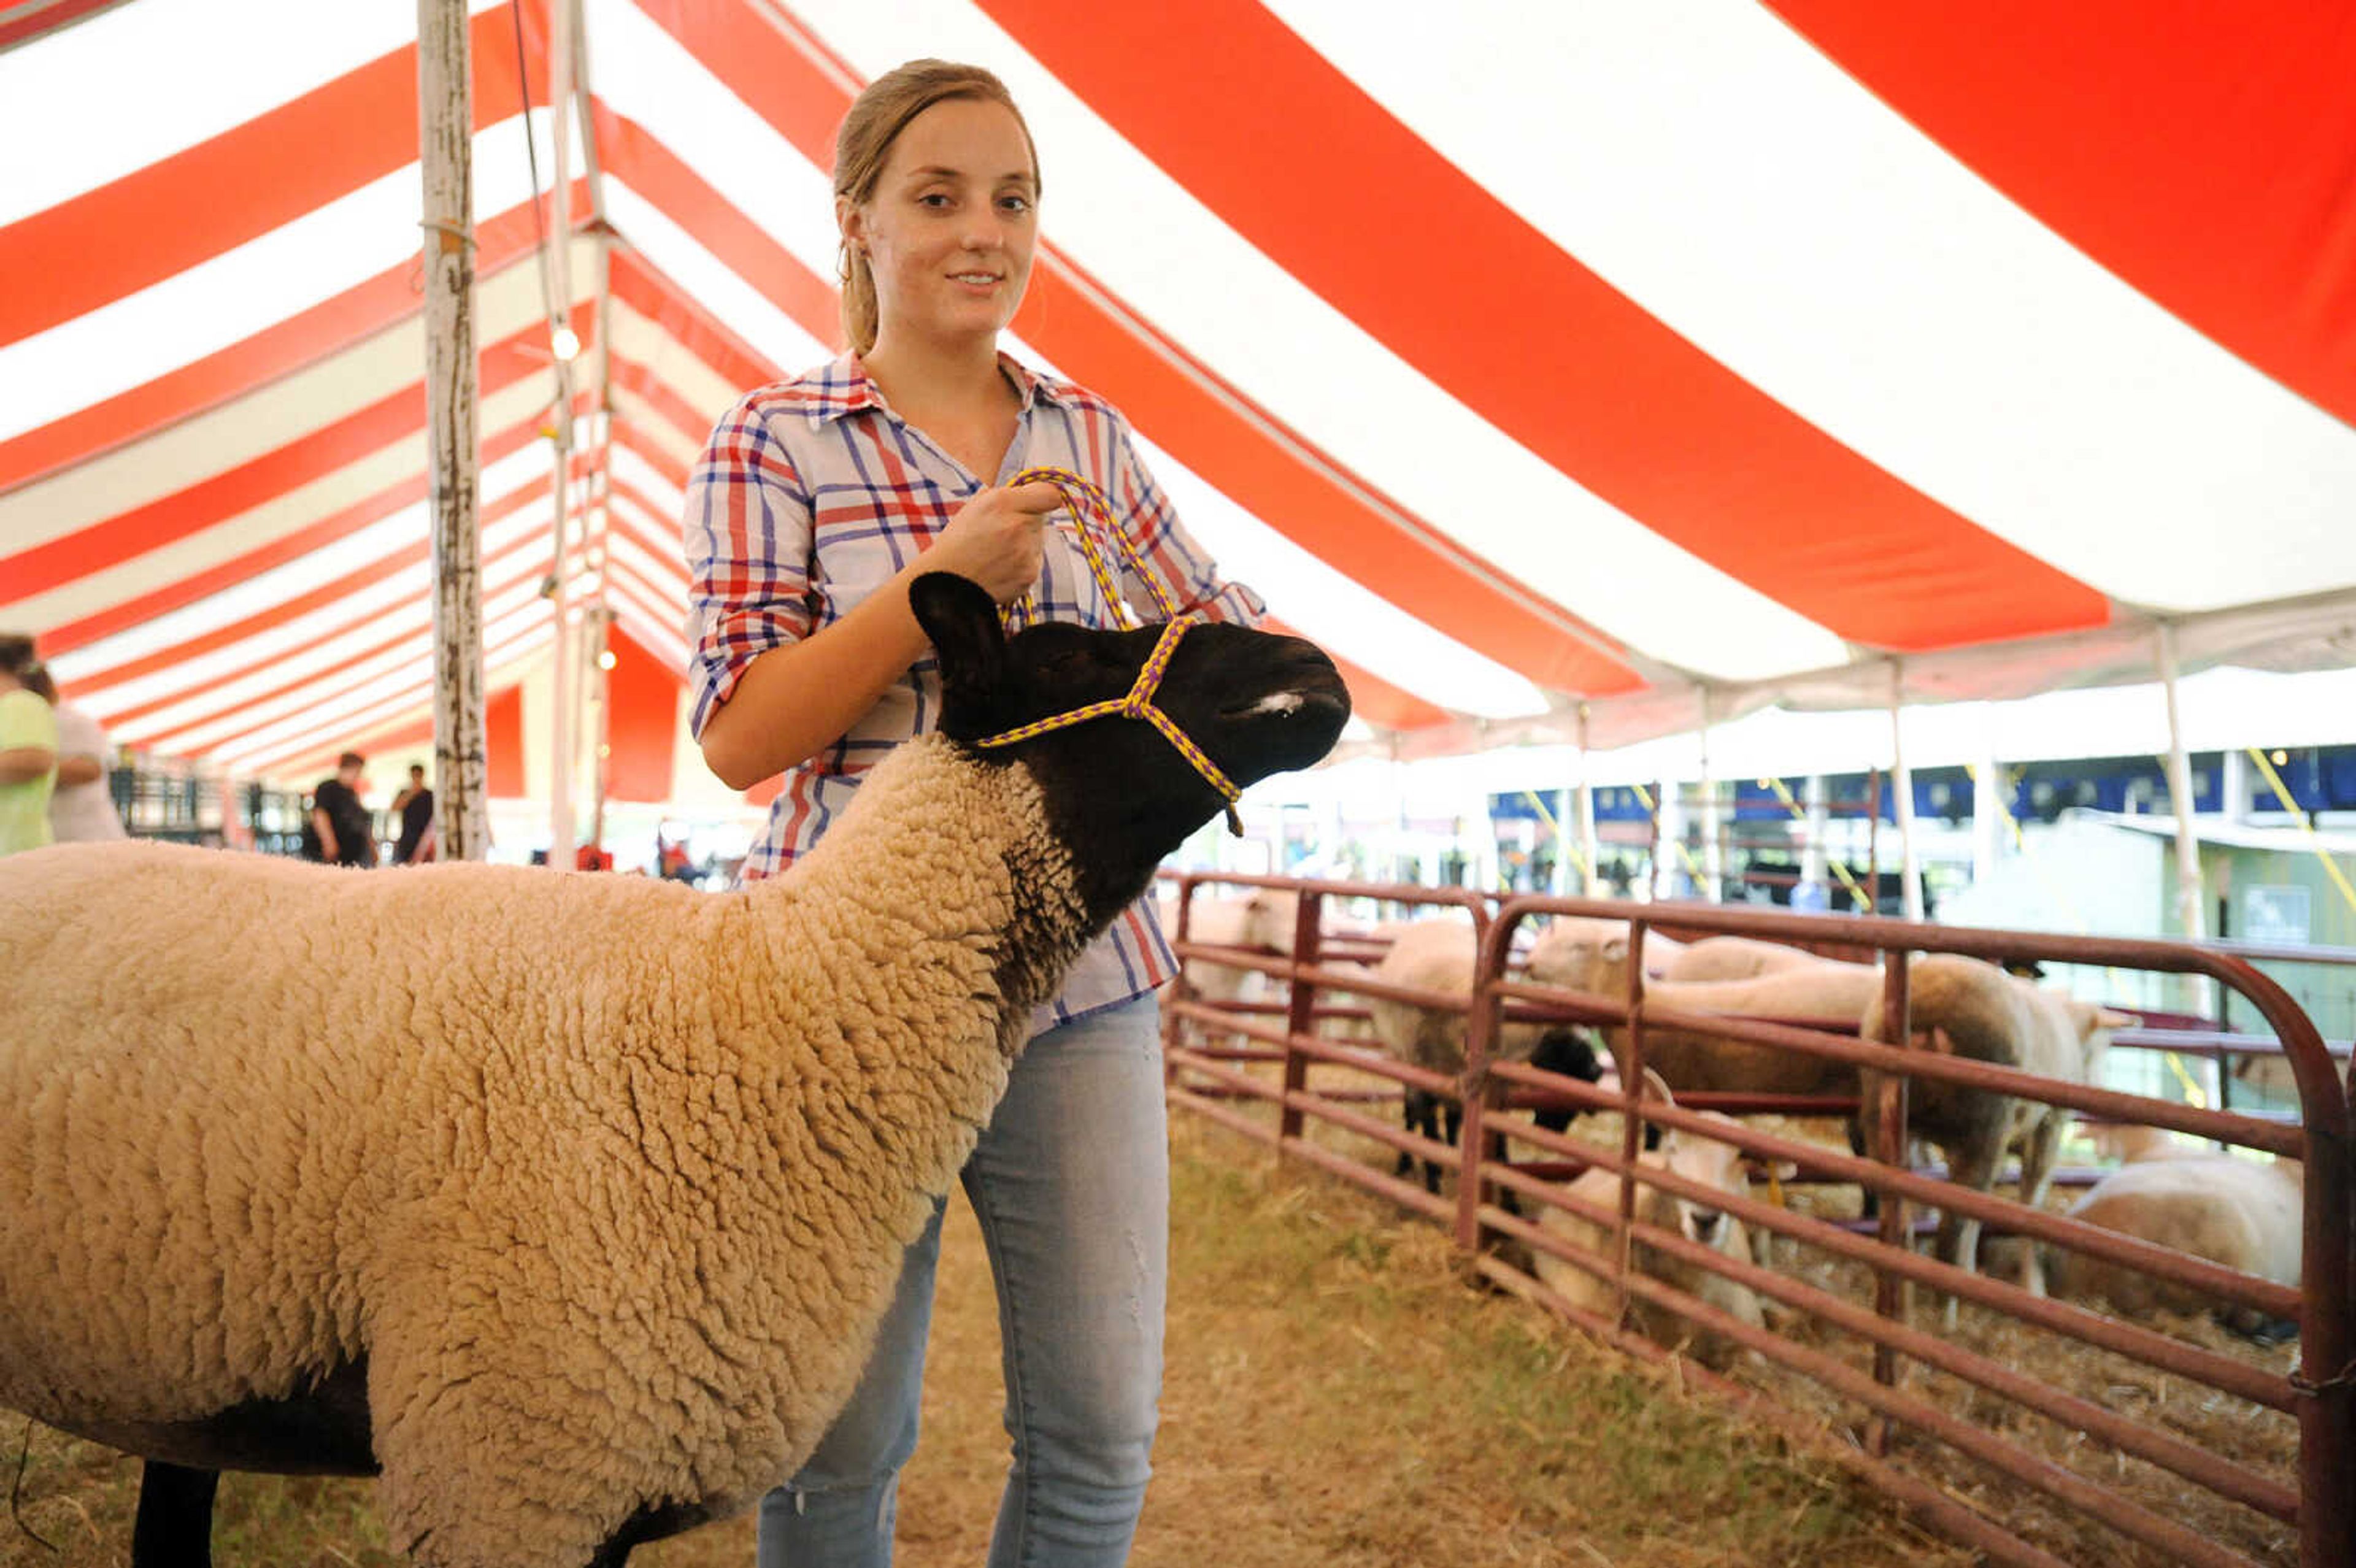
<point>1337,1395</point>
<point>2259,1439</point>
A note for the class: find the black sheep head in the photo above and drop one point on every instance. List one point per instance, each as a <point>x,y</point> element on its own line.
<point>1118,793</point>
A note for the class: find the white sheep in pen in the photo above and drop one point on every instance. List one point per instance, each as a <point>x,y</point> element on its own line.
<point>2247,1214</point>
<point>1440,955</point>
<point>568,1203</point>
<point>1964,1008</point>
<point>1697,1159</point>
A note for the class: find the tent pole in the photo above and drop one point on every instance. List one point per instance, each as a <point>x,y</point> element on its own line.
<point>1713,853</point>
<point>445,130</point>
<point>601,476</point>
<point>2190,901</point>
<point>1902,784</point>
<point>1589,849</point>
<point>562,744</point>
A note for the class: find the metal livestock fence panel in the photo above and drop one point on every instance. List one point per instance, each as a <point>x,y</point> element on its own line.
<point>1498,1209</point>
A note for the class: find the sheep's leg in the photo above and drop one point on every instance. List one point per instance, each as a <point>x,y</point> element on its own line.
<point>1419,1113</point>
<point>1455,1116</point>
<point>2037,1153</point>
<point>1973,1164</point>
<point>175,1526</point>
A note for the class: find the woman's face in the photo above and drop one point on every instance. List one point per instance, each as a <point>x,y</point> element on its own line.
<point>949,230</point>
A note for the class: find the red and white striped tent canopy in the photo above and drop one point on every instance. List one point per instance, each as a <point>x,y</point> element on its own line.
<point>1609,352</point>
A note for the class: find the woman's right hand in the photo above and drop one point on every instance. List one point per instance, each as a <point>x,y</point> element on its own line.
<point>998,538</point>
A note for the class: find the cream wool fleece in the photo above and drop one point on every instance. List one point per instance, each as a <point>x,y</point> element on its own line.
<point>608,1181</point>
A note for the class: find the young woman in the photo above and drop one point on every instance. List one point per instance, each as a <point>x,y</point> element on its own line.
<point>817,502</point>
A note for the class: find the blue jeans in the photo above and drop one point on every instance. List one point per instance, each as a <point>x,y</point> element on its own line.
<point>1071,1184</point>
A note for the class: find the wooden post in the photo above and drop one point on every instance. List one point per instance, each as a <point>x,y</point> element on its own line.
<point>445,132</point>
<point>565,698</point>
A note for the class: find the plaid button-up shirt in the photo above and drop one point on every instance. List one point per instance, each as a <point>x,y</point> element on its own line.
<point>812,493</point>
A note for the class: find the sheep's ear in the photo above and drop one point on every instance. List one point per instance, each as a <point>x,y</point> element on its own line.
<point>962,619</point>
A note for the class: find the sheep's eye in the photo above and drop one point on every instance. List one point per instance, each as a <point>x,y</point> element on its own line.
<point>1071,661</point>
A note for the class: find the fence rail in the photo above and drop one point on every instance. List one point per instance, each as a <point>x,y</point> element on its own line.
<point>1496,1199</point>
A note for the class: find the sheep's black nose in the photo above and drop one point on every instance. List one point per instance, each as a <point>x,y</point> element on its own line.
<point>1704,1226</point>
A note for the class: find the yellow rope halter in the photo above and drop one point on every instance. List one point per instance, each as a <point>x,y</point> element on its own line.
<point>1087,504</point>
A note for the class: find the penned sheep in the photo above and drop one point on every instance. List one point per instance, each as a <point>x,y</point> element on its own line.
<point>1964,1008</point>
<point>1440,955</point>
<point>2247,1214</point>
<point>1705,1160</point>
<point>1809,989</point>
<point>567,1203</point>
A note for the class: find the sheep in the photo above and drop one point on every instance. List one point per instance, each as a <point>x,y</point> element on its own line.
<point>1812,989</point>
<point>1963,1006</point>
<point>567,1204</point>
<point>1731,959</point>
<point>1440,955</point>
<point>2244,1213</point>
<point>1259,918</point>
<point>1702,1159</point>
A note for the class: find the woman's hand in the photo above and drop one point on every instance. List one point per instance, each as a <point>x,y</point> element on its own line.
<point>998,538</point>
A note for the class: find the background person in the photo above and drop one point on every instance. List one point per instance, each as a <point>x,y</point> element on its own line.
<point>28,751</point>
<point>340,831</point>
<point>81,808</point>
<point>415,805</point>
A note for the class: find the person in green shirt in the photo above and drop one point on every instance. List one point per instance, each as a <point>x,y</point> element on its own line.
<point>28,751</point>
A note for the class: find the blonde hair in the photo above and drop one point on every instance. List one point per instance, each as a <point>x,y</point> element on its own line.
<point>865,144</point>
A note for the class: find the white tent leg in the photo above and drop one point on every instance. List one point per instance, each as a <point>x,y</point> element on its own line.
<point>446,126</point>
<point>1590,848</point>
<point>1902,784</point>
<point>1713,851</point>
<point>2190,901</point>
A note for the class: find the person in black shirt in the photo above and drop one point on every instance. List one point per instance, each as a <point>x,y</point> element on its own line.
<point>338,830</point>
<point>416,803</point>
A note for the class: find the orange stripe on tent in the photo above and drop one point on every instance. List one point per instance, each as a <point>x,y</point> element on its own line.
<point>1251,456</point>
<point>642,702</point>
<point>358,313</point>
<point>637,160</point>
<point>203,584</point>
<point>648,291</point>
<point>180,211</point>
<point>2200,153</point>
<point>279,614</point>
<point>644,383</point>
<point>1377,701</point>
<point>326,682</point>
<point>503,734</point>
<point>250,483</point>
<point>49,19</point>
<point>1218,93</point>
<point>628,437</point>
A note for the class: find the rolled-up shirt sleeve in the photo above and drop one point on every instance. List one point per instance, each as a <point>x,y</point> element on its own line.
<point>746,535</point>
<point>1168,549</point>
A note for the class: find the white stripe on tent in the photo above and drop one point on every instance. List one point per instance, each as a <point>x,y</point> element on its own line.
<point>400,603</point>
<point>1281,344</point>
<point>500,663</point>
<point>262,421</point>
<point>285,513</point>
<point>60,138</point>
<point>704,388</point>
<point>1819,246</point>
<point>708,281</point>
<point>132,340</point>
<point>1331,609</point>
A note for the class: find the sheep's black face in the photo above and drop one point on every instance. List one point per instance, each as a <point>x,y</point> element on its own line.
<point>1255,703</point>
